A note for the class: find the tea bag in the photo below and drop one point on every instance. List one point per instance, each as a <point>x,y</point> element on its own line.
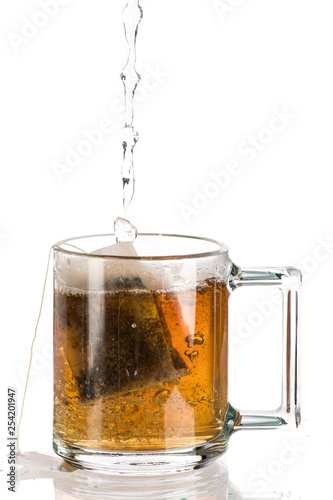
<point>123,343</point>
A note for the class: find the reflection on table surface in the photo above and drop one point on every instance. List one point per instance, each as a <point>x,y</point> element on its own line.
<point>210,483</point>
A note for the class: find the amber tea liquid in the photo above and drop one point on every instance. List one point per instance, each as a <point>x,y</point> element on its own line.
<point>140,370</point>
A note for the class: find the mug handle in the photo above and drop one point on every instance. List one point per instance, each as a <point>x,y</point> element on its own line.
<point>288,280</point>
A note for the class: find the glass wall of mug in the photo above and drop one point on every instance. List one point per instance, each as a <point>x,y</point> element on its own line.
<point>141,352</point>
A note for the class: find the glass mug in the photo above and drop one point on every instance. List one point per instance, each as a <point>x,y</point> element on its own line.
<point>141,352</point>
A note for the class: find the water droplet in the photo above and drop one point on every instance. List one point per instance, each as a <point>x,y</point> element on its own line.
<point>134,398</point>
<point>149,430</point>
<point>157,414</point>
<point>133,325</point>
<point>189,339</point>
<point>133,409</point>
<point>146,411</point>
<point>124,230</point>
<point>161,397</point>
<point>199,339</point>
<point>191,354</point>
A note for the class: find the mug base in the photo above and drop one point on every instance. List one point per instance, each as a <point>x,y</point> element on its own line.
<point>141,463</point>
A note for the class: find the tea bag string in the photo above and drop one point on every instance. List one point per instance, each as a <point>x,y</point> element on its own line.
<point>32,347</point>
<point>35,337</point>
<point>73,246</point>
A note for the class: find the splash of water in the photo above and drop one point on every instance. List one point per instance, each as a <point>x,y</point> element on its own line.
<point>124,230</point>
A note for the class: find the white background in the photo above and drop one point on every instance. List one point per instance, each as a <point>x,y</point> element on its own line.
<point>218,73</point>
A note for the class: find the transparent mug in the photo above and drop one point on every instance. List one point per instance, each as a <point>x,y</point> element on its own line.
<point>141,352</point>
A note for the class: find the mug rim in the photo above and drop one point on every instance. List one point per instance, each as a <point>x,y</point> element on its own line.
<point>221,248</point>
